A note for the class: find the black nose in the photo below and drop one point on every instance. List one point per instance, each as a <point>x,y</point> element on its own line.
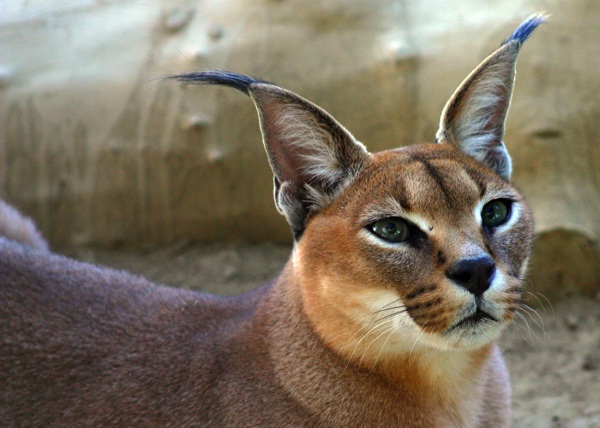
<point>474,275</point>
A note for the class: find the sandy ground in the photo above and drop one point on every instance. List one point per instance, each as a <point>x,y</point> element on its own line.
<point>553,354</point>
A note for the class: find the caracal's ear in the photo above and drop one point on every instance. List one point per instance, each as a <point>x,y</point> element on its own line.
<point>473,118</point>
<point>311,154</point>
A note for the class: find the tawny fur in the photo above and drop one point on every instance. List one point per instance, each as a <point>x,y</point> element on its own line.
<point>357,330</point>
<point>96,347</point>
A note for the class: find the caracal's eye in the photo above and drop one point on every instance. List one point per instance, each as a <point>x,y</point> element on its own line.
<point>391,229</point>
<point>495,212</point>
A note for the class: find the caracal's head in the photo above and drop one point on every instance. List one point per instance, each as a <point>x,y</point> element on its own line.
<point>417,247</point>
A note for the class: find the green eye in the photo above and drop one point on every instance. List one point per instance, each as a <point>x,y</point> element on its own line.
<point>495,212</point>
<point>391,229</point>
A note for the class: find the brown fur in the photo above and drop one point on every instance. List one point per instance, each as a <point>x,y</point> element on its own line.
<point>96,347</point>
<point>355,331</point>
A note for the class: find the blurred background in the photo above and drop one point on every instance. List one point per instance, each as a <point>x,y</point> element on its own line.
<point>120,167</point>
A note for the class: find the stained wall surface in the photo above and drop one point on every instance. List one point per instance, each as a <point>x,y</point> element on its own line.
<point>100,151</point>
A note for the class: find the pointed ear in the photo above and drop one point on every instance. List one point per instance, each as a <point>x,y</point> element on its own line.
<point>473,119</point>
<point>312,156</point>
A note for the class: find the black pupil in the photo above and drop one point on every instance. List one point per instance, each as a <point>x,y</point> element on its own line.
<point>494,213</point>
<point>393,230</point>
<point>390,229</point>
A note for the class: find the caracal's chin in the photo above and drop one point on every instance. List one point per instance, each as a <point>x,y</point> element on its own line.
<point>470,337</point>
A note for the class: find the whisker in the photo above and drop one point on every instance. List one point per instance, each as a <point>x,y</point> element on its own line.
<point>388,309</point>
<point>372,320</point>
<point>416,340</point>
<point>512,328</point>
<point>535,294</point>
<point>372,342</point>
<point>355,334</point>
<point>529,286</point>
<point>529,310</point>
<point>518,329</point>
<point>383,308</point>
<point>391,330</point>
<point>374,328</point>
<point>530,331</point>
<point>381,322</point>
<point>404,310</point>
<point>371,328</point>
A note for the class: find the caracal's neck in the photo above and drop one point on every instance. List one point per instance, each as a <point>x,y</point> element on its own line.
<point>434,385</point>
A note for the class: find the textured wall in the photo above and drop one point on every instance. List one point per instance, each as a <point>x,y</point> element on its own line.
<point>100,152</point>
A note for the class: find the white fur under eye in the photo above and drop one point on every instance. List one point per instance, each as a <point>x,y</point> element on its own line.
<point>372,239</point>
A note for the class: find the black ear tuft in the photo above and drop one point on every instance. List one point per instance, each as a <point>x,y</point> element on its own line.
<point>238,81</point>
<point>527,27</point>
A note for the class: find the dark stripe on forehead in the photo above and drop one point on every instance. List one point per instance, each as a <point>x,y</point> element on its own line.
<point>401,195</point>
<point>437,178</point>
<point>394,184</point>
<point>396,190</point>
<point>478,178</point>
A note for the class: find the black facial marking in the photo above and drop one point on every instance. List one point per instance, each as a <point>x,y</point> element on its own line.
<point>489,249</point>
<point>437,178</point>
<point>441,257</point>
<point>421,290</point>
<point>400,194</point>
<point>415,293</point>
<point>424,305</point>
<point>479,179</point>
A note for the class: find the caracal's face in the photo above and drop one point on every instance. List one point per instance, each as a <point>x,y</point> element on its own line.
<point>377,265</point>
<point>416,248</point>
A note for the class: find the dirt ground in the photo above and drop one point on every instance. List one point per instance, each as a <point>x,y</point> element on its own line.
<point>553,355</point>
